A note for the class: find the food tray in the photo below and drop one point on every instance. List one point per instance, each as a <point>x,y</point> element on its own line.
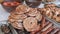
<point>15,32</point>
<point>52,20</point>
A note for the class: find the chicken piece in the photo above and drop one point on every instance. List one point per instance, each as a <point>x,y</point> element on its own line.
<point>49,13</point>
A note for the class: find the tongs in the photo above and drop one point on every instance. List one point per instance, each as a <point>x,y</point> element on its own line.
<point>11,28</point>
<point>53,21</point>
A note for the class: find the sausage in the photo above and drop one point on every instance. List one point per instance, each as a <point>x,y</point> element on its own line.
<point>48,30</point>
<point>32,33</point>
<point>48,26</point>
<point>55,30</point>
<point>58,32</point>
<point>43,22</point>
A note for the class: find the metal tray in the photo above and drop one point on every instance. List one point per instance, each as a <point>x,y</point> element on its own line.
<point>15,32</point>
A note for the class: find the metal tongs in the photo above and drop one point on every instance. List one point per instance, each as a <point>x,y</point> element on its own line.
<point>53,21</point>
<point>11,28</point>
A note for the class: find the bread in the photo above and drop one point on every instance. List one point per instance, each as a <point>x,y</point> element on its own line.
<point>22,9</point>
<point>32,21</point>
<point>30,24</point>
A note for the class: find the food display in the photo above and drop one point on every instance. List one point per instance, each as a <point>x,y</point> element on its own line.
<point>51,11</point>
<point>25,19</point>
<point>31,20</point>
